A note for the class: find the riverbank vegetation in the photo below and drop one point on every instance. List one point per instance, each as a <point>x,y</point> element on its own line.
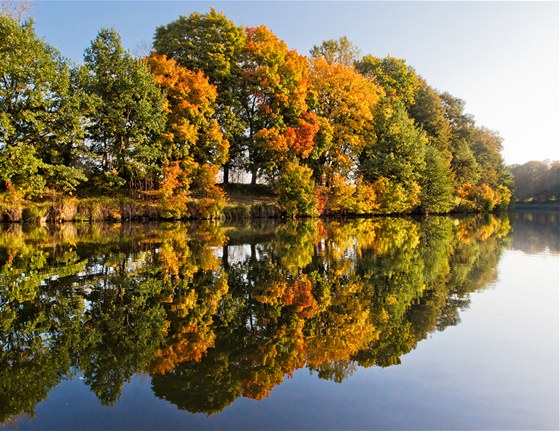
<point>331,133</point>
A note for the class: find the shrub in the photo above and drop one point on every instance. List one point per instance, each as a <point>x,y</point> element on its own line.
<point>296,191</point>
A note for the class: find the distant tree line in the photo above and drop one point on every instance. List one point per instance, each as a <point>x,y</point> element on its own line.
<point>537,181</point>
<point>334,133</point>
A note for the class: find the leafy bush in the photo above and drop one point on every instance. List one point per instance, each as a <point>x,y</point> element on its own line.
<point>296,191</point>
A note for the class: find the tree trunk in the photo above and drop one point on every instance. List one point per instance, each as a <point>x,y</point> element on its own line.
<point>254,177</point>
<point>253,252</point>
<point>225,257</point>
<point>226,173</point>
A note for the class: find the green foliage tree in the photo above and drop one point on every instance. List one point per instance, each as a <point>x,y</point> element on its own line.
<point>486,148</point>
<point>296,191</point>
<point>428,113</point>
<point>437,194</point>
<point>39,120</point>
<point>482,180</point>
<point>124,110</point>
<point>339,50</point>
<point>393,74</point>
<point>398,154</point>
<point>464,165</point>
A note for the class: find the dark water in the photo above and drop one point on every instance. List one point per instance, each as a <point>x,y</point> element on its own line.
<point>387,323</point>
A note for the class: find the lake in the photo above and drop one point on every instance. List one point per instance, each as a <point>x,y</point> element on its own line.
<point>380,323</point>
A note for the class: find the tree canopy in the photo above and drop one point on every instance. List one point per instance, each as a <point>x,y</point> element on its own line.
<point>332,133</point>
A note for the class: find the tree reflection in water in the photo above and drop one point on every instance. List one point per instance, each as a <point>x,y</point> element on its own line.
<point>214,312</point>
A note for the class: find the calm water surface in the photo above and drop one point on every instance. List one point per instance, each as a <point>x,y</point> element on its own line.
<point>390,323</point>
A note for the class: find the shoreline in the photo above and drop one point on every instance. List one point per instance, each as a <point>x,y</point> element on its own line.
<point>117,209</point>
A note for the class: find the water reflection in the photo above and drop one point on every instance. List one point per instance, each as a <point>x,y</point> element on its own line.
<point>213,313</point>
<point>536,232</point>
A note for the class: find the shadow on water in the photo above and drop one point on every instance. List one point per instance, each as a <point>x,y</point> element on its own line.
<point>216,312</point>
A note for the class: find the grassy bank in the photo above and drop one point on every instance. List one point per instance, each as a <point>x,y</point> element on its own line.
<point>244,202</point>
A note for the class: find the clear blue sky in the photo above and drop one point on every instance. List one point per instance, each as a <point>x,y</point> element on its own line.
<point>502,58</point>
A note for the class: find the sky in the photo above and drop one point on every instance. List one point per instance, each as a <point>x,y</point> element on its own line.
<point>502,57</point>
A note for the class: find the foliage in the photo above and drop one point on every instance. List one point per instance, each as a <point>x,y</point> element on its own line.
<point>125,109</point>
<point>428,113</point>
<point>437,184</point>
<point>483,198</point>
<point>339,50</point>
<point>296,194</point>
<point>393,197</point>
<point>215,99</point>
<point>192,144</point>
<point>38,112</point>
<point>202,42</point>
<point>212,44</point>
<point>397,159</point>
<point>191,129</point>
<point>175,190</point>
<point>393,74</point>
<point>345,104</point>
<point>274,99</point>
<point>463,164</point>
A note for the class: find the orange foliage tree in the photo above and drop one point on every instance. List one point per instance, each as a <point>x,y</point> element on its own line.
<point>275,92</point>
<point>192,143</point>
<point>344,103</point>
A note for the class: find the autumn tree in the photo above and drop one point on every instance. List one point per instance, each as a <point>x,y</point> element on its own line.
<point>345,107</point>
<point>192,144</point>
<point>191,129</point>
<point>274,97</point>
<point>212,44</point>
